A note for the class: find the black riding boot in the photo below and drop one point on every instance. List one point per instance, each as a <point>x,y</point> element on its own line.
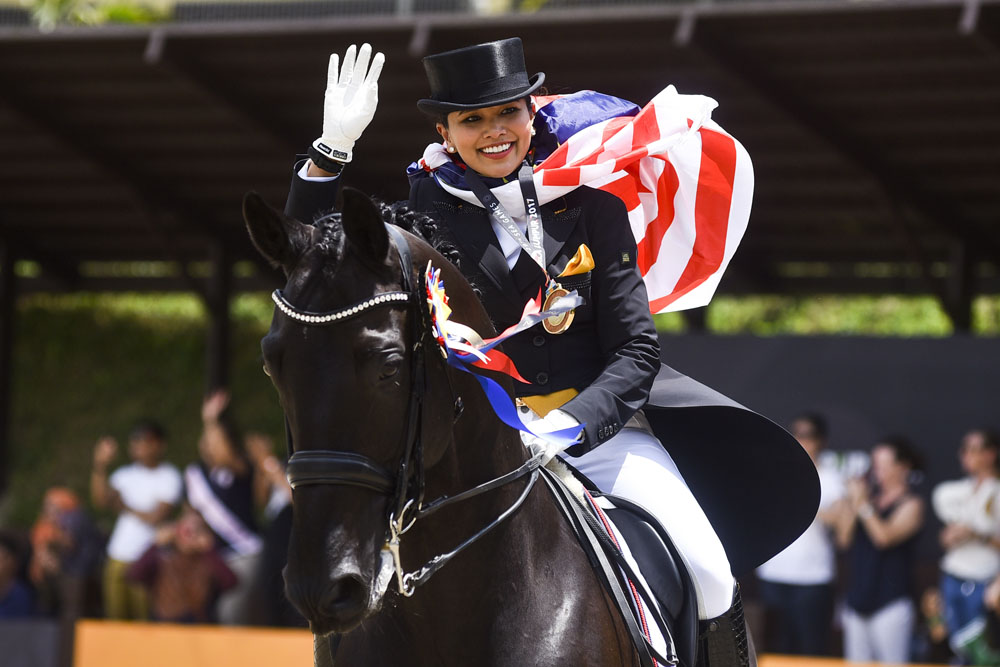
<point>724,641</point>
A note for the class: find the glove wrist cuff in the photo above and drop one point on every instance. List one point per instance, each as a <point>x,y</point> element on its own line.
<point>323,152</point>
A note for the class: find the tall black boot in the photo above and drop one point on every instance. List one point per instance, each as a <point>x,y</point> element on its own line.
<point>724,641</point>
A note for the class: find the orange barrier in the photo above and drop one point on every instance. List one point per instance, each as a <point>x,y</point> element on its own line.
<point>770,660</point>
<point>116,644</point>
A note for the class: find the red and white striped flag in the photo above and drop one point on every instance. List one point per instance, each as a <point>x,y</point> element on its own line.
<point>687,184</point>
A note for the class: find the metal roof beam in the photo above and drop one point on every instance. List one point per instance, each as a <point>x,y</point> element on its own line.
<point>900,188</point>
<point>149,203</point>
<point>219,92</point>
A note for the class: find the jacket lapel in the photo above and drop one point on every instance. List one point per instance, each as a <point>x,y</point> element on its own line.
<point>471,229</point>
<point>558,227</point>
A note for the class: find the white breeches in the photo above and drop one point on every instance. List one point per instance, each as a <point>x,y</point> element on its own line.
<point>635,466</point>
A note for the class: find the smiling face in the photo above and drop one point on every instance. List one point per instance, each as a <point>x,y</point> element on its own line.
<point>492,140</point>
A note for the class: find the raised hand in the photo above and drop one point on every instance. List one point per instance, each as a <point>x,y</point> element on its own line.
<point>213,405</point>
<point>105,452</point>
<point>349,104</point>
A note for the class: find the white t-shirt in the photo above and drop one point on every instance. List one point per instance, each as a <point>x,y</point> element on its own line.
<point>142,489</point>
<point>961,502</point>
<point>811,559</point>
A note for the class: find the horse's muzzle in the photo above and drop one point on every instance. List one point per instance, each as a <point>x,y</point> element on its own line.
<point>336,605</point>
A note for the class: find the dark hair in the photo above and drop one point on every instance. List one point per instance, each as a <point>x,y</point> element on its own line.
<point>990,438</point>
<point>146,427</point>
<point>904,451</point>
<point>991,442</point>
<point>815,420</point>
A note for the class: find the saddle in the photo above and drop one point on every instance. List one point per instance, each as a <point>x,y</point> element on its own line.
<point>658,600</point>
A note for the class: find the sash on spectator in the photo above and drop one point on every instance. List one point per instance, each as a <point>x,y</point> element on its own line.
<point>223,522</point>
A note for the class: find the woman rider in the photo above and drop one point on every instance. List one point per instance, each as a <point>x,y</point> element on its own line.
<point>596,368</point>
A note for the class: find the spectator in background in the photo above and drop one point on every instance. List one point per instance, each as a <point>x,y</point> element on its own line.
<point>143,493</point>
<point>878,524</point>
<point>66,554</point>
<point>970,510</point>
<point>183,572</point>
<point>16,600</point>
<point>932,637</point>
<point>221,487</point>
<point>797,584</point>
<point>66,551</point>
<point>272,490</point>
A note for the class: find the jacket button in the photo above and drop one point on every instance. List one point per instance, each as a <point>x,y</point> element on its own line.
<point>542,378</point>
<point>538,341</point>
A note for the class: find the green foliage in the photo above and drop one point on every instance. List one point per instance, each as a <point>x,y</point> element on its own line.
<point>87,365</point>
<point>829,314</point>
<point>50,13</point>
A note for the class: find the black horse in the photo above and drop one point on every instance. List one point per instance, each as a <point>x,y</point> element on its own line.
<point>366,392</point>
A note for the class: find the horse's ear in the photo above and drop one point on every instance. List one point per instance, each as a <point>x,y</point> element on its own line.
<point>363,225</point>
<point>279,238</point>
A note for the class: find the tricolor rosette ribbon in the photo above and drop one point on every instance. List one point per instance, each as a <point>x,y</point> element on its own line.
<point>463,347</point>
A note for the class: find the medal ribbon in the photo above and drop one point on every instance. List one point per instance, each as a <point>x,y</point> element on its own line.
<point>463,347</point>
<point>532,244</point>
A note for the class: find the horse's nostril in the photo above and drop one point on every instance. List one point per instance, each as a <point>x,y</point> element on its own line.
<point>346,600</point>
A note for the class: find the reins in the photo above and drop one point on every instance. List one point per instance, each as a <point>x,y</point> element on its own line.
<point>341,468</point>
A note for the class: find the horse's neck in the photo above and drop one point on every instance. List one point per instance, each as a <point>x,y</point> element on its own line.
<point>520,596</point>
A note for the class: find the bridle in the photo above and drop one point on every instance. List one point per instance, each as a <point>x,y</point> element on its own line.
<point>341,468</point>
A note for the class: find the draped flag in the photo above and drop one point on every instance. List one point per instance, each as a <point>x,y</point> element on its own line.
<point>687,184</point>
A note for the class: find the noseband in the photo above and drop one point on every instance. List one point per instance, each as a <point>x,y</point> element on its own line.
<point>340,468</point>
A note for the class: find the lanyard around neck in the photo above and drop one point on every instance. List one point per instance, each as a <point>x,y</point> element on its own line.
<point>532,244</point>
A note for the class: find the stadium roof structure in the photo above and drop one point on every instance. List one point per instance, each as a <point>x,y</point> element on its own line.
<point>874,128</point>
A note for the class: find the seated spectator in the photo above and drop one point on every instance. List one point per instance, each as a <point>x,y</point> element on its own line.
<point>16,599</point>
<point>931,644</point>
<point>221,487</point>
<point>144,493</point>
<point>879,523</point>
<point>797,584</point>
<point>183,572</point>
<point>970,510</point>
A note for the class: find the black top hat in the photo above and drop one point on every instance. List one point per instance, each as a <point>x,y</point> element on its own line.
<point>478,76</point>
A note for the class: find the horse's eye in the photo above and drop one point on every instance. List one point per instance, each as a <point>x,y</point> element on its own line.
<point>389,369</point>
<point>391,363</point>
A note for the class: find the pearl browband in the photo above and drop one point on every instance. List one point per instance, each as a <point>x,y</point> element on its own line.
<point>336,315</point>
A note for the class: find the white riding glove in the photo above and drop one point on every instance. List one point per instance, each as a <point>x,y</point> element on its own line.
<point>553,421</point>
<point>349,105</point>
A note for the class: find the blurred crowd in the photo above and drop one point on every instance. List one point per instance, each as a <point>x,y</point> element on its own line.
<point>854,572</point>
<point>201,545</point>
<point>207,545</point>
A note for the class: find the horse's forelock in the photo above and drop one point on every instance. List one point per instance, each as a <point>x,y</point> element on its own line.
<point>330,239</point>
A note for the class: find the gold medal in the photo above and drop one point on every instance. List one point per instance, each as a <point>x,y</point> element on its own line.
<point>557,323</point>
